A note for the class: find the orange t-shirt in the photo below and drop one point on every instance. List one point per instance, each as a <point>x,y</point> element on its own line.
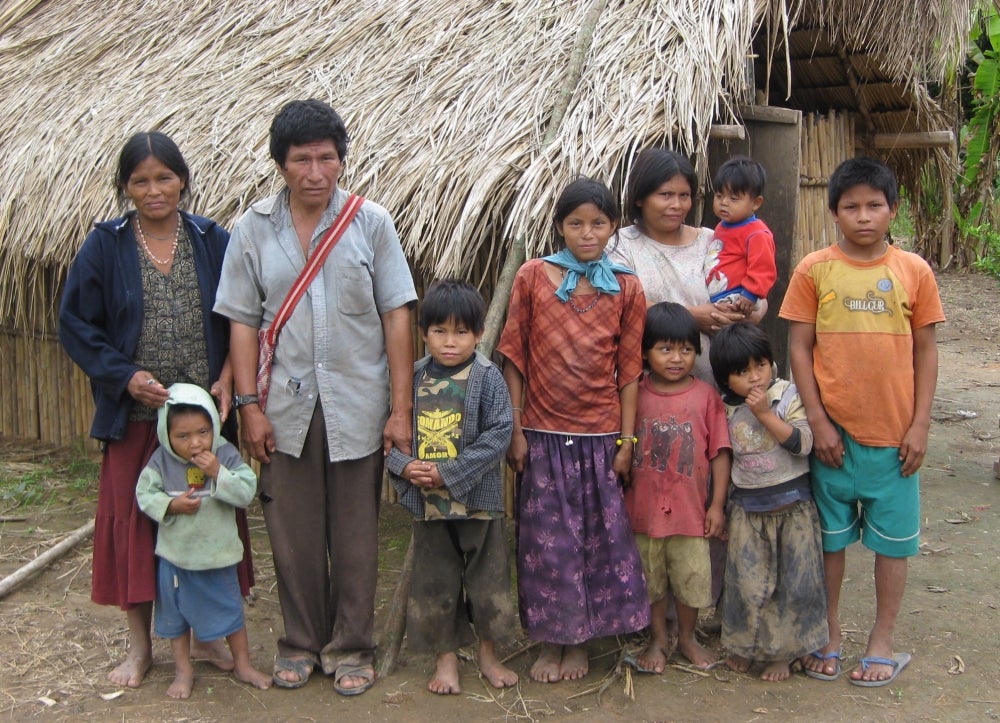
<point>865,313</point>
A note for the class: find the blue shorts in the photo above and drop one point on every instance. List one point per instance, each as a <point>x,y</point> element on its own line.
<point>869,499</point>
<point>206,601</point>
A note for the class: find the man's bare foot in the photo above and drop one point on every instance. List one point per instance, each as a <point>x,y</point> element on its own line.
<point>215,652</point>
<point>132,670</point>
<point>547,668</point>
<point>699,656</point>
<point>653,658</point>
<point>445,680</point>
<point>182,685</point>
<point>248,674</point>
<point>738,663</point>
<point>776,671</point>
<point>498,674</point>
<point>575,663</point>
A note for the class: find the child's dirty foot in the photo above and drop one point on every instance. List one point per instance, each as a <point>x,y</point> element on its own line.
<point>776,671</point>
<point>699,656</point>
<point>182,685</point>
<point>653,658</point>
<point>132,670</point>
<point>251,676</point>
<point>823,664</point>
<point>498,674</point>
<point>547,668</point>
<point>445,680</point>
<point>215,652</point>
<point>738,663</point>
<point>575,663</point>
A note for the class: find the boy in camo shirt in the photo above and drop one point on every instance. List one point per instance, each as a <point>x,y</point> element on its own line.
<point>452,484</point>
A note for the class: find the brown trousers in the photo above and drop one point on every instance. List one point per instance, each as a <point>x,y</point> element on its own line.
<point>461,578</point>
<point>322,518</point>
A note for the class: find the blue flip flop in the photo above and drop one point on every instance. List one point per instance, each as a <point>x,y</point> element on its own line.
<point>820,675</point>
<point>633,662</point>
<point>897,661</point>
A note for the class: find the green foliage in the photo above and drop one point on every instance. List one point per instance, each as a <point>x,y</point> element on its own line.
<point>984,111</point>
<point>989,258</point>
<point>39,484</point>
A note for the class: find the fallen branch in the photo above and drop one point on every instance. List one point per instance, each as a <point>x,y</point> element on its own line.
<point>15,579</point>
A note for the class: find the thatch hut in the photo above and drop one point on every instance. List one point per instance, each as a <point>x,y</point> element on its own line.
<point>466,118</point>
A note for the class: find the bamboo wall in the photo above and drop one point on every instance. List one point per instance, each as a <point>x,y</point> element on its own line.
<point>826,141</point>
<point>43,395</point>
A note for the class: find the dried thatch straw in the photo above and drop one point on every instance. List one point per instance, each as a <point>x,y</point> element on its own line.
<point>448,104</point>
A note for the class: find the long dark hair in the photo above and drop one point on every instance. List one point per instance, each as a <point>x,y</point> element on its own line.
<point>143,145</point>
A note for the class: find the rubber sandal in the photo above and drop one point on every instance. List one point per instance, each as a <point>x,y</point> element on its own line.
<point>820,675</point>
<point>897,661</point>
<point>633,662</point>
<point>353,671</point>
<point>302,667</point>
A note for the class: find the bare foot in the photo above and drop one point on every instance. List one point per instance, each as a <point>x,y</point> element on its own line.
<point>251,676</point>
<point>182,685</point>
<point>738,663</point>
<point>132,670</point>
<point>652,658</point>
<point>777,670</point>
<point>699,656</point>
<point>215,652</point>
<point>547,668</point>
<point>445,680</point>
<point>498,674</point>
<point>575,663</point>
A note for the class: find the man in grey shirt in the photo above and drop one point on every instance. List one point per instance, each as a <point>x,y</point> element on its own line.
<point>340,394</point>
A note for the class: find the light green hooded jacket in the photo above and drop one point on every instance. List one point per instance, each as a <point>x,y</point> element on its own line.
<point>208,539</point>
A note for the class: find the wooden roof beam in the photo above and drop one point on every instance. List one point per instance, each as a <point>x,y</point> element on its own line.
<point>921,139</point>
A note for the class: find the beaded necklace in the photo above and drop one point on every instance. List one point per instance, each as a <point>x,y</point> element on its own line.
<point>145,246</point>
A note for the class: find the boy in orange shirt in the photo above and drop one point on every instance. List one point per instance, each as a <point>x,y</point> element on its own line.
<point>857,309</point>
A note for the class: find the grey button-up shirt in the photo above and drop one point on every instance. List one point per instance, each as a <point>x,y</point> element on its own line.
<point>332,348</point>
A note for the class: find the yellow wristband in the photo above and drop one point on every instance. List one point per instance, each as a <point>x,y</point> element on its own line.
<point>621,440</point>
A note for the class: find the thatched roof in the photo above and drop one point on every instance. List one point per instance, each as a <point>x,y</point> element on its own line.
<point>466,118</point>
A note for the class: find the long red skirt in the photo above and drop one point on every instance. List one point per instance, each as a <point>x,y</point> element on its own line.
<point>124,570</point>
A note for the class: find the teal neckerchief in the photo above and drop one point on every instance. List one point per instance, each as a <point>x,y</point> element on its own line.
<point>600,273</point>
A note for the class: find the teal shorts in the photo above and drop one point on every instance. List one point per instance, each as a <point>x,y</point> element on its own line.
<point>869,499</point>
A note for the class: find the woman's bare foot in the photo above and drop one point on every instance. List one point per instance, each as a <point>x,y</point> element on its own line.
<point>547,668</point>
<point>498,674</point>
<point>248,674</point>
<point>575,663</point>
<point>215,652</point>
<point>653,658</point>
<point>133,669</point>
<point>738,663</point>
<point>699,656</point>
<point>183,683</point>
<point>776,671</point>
<point>445,680</point>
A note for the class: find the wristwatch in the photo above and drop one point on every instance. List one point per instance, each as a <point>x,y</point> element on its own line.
<point>241,400</point>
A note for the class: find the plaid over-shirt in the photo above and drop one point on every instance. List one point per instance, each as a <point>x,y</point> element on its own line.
<point>574,363</point>
<point>473,478</point>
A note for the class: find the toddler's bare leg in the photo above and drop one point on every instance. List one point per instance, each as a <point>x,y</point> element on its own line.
<point>183,672</point>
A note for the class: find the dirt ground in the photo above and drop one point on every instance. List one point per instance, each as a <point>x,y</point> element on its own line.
<point>56,646</point>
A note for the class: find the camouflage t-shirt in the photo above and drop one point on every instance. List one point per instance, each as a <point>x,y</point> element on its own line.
<point>439,407</point>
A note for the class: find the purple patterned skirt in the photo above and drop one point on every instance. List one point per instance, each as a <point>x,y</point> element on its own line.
<point>579,575</point>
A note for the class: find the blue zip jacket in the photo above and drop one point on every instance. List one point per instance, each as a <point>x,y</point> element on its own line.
<point>100,317</point>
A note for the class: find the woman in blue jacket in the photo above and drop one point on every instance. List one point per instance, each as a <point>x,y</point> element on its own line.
<point>136,316</point>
